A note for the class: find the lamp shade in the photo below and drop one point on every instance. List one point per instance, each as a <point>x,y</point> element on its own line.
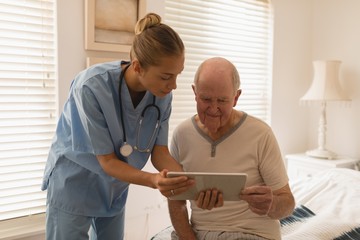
<point>325,85</point>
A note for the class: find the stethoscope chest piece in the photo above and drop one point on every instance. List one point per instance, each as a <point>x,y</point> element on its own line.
<point>126,150</point>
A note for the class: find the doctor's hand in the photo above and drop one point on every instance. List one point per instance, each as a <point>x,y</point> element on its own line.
<point>259,198</point>
<point>209,199</point>
<point>172,186</point>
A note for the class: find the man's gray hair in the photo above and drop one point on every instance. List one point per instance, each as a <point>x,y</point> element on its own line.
<point>235,74</point>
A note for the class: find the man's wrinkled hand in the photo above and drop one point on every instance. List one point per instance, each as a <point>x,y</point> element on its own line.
<point>259,199</point>
<point>209,199</point>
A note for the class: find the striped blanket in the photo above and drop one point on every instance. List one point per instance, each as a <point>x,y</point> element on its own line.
<point>305,224</point>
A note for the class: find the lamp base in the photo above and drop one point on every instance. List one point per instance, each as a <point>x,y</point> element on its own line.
<point>321,153</point>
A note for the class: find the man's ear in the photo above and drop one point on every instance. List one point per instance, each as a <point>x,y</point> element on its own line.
<point>193,88</point>
<point>238,93</point>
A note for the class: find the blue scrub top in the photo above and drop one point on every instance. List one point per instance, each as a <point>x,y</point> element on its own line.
<point>90,125</point>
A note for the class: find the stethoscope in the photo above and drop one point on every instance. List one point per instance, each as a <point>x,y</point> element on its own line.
<point>126,149</point>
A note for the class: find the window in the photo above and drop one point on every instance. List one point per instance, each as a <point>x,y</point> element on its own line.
<point>239,30</point>
<point>27,103</point>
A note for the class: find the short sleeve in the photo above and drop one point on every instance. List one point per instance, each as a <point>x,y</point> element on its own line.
<point>272,166</point>
<point>92,120</point>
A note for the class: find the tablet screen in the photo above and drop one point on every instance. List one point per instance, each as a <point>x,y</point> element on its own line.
<point>230,184</point>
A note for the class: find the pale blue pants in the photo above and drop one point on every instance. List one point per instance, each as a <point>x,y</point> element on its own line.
<point>64,226</point>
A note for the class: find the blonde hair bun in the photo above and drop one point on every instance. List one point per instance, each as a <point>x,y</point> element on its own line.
<point>150,19</point>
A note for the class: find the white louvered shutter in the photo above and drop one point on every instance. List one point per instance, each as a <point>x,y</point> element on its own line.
<point>239,30</point>
<point>27,103</point>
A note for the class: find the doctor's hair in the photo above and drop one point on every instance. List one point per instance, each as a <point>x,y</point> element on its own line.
<point>154,40</point>
<point>235,74</point>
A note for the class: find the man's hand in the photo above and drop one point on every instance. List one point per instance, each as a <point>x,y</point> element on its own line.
<point>259,198</point>
<point>210,199</point>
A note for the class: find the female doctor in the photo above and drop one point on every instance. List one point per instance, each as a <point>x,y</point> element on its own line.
<point>116,116</point>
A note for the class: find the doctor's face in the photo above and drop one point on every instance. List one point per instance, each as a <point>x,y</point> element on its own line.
<point>160,80</point>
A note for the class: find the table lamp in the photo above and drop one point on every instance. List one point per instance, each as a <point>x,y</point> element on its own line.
<point>325,88</point>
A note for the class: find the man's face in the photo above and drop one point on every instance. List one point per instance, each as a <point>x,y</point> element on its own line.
<point>215,97</point>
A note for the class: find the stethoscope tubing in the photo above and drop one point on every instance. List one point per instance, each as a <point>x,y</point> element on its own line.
<point>128,151</point>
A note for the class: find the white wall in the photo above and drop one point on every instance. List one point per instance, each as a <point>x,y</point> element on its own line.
<point>310,30</point>
<point>336,35</point>
<point>291,72</point>
<point>303,31</point>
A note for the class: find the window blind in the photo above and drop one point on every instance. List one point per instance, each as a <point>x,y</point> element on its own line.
<point>27,103</point>
<point>239,30</point>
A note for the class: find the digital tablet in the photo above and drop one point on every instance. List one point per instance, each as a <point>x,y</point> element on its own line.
<point>230,184</point>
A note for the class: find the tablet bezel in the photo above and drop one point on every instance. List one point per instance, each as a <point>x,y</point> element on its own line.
<point>224,182</point>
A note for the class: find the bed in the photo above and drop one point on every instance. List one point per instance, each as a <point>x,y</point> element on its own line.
<point>327,207</point>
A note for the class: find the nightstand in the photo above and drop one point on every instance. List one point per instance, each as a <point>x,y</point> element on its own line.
<point>301,165</point>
